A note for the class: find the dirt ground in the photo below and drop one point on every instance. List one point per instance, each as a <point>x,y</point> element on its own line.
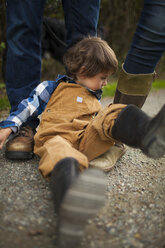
<point>133,215</point>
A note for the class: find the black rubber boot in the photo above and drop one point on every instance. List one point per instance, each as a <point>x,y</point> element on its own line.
<point>63,175</point>
<point>77,199</point>
<point>136,129</point>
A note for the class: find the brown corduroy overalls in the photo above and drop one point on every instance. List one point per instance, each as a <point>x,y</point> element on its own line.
<point>70,127</point>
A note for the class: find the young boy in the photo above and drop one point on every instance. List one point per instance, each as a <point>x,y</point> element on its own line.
<point>74,129</point>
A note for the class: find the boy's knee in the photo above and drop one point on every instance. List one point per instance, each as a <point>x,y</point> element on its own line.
<point>106,118</point>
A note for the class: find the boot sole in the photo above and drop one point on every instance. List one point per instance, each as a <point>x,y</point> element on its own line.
<point>154,142</point>
<point>19,155</point>
<point>81,203</point>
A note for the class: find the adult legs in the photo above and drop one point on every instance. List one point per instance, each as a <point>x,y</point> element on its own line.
<point>24,23</point>
<point>23,67</point>
<point>146,50</point>
<point>80,19</point>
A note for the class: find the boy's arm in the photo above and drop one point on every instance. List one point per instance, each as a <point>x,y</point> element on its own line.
<point>33,105</point>
<point>4,134</point>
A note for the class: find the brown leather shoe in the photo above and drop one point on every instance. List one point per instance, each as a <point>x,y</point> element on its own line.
<point>20,146</point>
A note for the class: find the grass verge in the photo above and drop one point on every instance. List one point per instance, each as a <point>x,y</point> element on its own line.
<point>109,89</point>
<point>4,103</point>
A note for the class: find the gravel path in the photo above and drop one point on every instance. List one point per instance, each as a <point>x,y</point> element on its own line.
<point>133,216</point>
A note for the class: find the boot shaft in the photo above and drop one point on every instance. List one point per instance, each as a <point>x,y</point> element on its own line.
<point>133,88</point>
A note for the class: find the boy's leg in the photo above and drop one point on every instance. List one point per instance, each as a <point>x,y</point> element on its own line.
<point>55,149</point>
<point>127,124</point>
<point>97,138</point>
<point>76,197</point>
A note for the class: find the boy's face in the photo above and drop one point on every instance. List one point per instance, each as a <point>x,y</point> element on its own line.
<point>94,83</point>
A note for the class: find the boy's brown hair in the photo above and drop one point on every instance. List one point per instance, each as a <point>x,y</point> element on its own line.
<point>90,56</point>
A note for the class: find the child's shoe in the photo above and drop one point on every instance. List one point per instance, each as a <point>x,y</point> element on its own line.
<point>20,145</point>
<point>108,160</point>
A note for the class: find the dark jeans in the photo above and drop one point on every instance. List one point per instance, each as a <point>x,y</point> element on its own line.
<point>24,26</point>
<point>148,42</point>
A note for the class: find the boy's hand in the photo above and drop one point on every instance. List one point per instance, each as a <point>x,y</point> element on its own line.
<point>4,134</point>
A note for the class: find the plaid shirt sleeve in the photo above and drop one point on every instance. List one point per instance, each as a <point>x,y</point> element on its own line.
<point>33,105</point>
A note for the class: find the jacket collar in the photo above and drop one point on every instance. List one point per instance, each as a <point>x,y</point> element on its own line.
<point>65,78</point>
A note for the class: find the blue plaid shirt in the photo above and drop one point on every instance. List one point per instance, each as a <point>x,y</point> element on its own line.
<point>35,104</point>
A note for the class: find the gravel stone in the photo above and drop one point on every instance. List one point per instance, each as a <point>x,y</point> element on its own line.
<point>133,215</point>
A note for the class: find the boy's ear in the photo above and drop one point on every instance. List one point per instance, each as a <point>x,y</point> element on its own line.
<point>81,72</point>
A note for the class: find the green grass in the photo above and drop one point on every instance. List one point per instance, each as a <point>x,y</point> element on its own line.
<point>158,84</point>
<point>108,91</point>
<point>2,85</point>
<point>4,103</point>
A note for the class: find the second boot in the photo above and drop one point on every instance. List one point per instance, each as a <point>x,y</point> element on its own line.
<point>136,129</point>
<point>77,198</point>
<point>133,88</point>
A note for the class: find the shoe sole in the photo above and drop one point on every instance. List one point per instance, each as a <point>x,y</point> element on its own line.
<point>19,155</point>
<point>81,203</point>
<point>154,142</point>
